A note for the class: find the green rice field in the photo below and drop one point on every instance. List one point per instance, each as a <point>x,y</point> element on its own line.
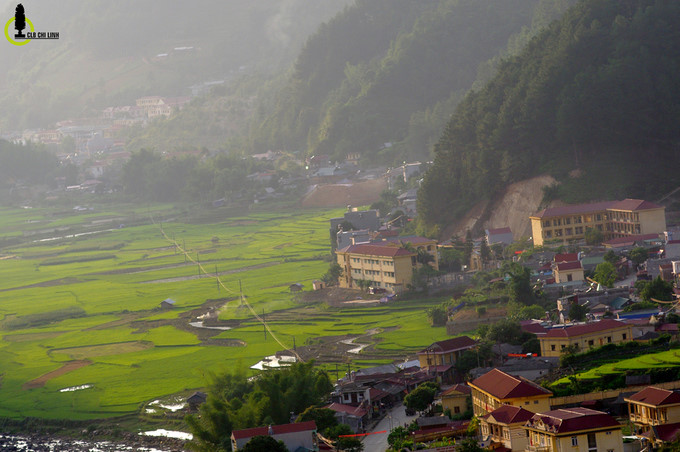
<point>83,311</point>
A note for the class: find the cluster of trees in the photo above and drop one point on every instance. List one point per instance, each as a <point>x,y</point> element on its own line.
<point>147,175</point>
<point>30,164</point>
<point>597,86</point>
<point>237,402</point>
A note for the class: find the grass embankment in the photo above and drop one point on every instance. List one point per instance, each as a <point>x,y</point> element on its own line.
<point>61,302</point>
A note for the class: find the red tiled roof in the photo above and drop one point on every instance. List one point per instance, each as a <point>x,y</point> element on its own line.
<point>450,345</point>
<point>508,414</point>
<point>504,386</point>
<point>563,266</point>
<point>376,394</point>
<point>372,249</point>
<point>585,328</point>
<point>655,396</point>
<point>566,257</point>
<point>575,209</point>
<point>669,327</point>
<point>412,239</point>
<point>667,433</point>
<point>276,429</point>
<point>572,420</point>
<point>463,389</point>
<point>533,327</point>
<point>634,204</point>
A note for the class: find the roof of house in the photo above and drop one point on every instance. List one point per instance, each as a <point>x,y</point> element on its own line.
<point>505,230</point>
<point>412,239</point>
<point>574,209</point>
<point>504,386</point>
<point>585,328</point>
<point>655,396</point>
<point>634,204</point>
<point>566,257</point>
<point>450,345</point>
<point>508,414</point>
<point>347,409</point>
<point>276,429</point>
<point>667,433</point>
<point>457,389</point>
<point>169,301</point>
<point>533,327</point>
<point>569,420</point>
<point>564,266</point>
<point>372,249</point>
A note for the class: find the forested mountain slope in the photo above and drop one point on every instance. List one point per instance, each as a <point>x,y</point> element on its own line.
<point>596,91</point>
<point>392,71</point>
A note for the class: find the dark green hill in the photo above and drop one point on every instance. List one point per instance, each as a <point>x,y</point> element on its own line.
<point>597,91</point>
<point>392,72</point>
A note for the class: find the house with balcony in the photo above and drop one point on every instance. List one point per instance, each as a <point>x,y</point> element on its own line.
<point>653,406</point>
<point>496,388</point>
<point>613,219</point>
<point>584,336</point>
<point>575,430</point>
<point>504,428</point>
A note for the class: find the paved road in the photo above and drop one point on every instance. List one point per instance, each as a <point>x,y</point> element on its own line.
<point>395,417</point>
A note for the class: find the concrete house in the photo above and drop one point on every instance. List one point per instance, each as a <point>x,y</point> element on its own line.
<point>294,436</point>
<point>496,388</point>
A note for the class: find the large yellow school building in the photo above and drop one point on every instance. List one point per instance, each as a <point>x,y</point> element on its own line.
<point>613,218</point>
<point>386,264</point>
<point>585,336</point>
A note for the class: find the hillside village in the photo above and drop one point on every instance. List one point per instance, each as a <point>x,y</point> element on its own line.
<point>514,384</point>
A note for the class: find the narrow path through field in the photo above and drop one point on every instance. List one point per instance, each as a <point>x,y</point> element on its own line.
<point>66,368</point>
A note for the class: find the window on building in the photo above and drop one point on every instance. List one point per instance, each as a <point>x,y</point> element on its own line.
<point>535,402</point>
<point>592,443</point>
<point>609,339</point>
<point>456,409</point>
<point>624,336</point>
<point>546,224</point>
<point>568,231</point>
<point>591,343</point>
<point>577,220</point>
<point>552,347</point>
<point>567,220</point>
<point>574,440</point>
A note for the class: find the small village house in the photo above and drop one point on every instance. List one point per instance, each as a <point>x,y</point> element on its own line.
<point>456,399</point>
<point>499,235</point>
<point>574,429</point>
<point>496,388</point>
<point>445,352</point>
<point>584,336</point>
<point>168,303</point>
<point>294,436</point>
<point>504,428</point>
<point>653,406</point>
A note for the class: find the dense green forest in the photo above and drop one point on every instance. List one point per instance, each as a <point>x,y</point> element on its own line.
<point>596,91</point>
<point>378,72</point>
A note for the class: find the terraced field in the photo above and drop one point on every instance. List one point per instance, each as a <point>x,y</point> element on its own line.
<point>80,298</point>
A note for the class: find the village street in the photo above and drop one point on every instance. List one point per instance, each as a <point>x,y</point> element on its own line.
<point>394,418</point>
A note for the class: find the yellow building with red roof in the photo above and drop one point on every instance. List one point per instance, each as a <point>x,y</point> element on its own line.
<point>496,388</point>
<point>584,336</point>
<point>653,406</point>
<point>612,218</point>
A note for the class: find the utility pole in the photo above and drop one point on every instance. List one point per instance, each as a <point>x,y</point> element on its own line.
<point>264,324</point>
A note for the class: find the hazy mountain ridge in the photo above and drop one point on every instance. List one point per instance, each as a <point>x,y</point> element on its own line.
<point>106,51</point>
<point>595,91</point>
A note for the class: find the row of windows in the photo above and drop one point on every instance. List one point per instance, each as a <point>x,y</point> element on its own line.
<point>358,271</point>
<point>567,231</point>
<point>591,342</point>
<point>357,260</point>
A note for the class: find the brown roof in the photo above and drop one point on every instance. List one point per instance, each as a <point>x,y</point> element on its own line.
<point>666,432</point>
<point>505,230</point>
<point>388,250</point>
<point>450,345</point>
<point>350,410</point>
<point>563,266</point>
<point>585,328</point>
<point>463,389</point>
<point>504,386</point>
<point>631,239</point>
<point>566,257</point>
<point>571,420</point>
<point>634,204</point>
<point>508,414</point>
<point>575,209</point>
<point>655,396</point>
<point>276,429</point>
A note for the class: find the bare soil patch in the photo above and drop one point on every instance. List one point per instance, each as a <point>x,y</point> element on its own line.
<point>336,296</point>
<point>340,195</point>
<point>66,368</point>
